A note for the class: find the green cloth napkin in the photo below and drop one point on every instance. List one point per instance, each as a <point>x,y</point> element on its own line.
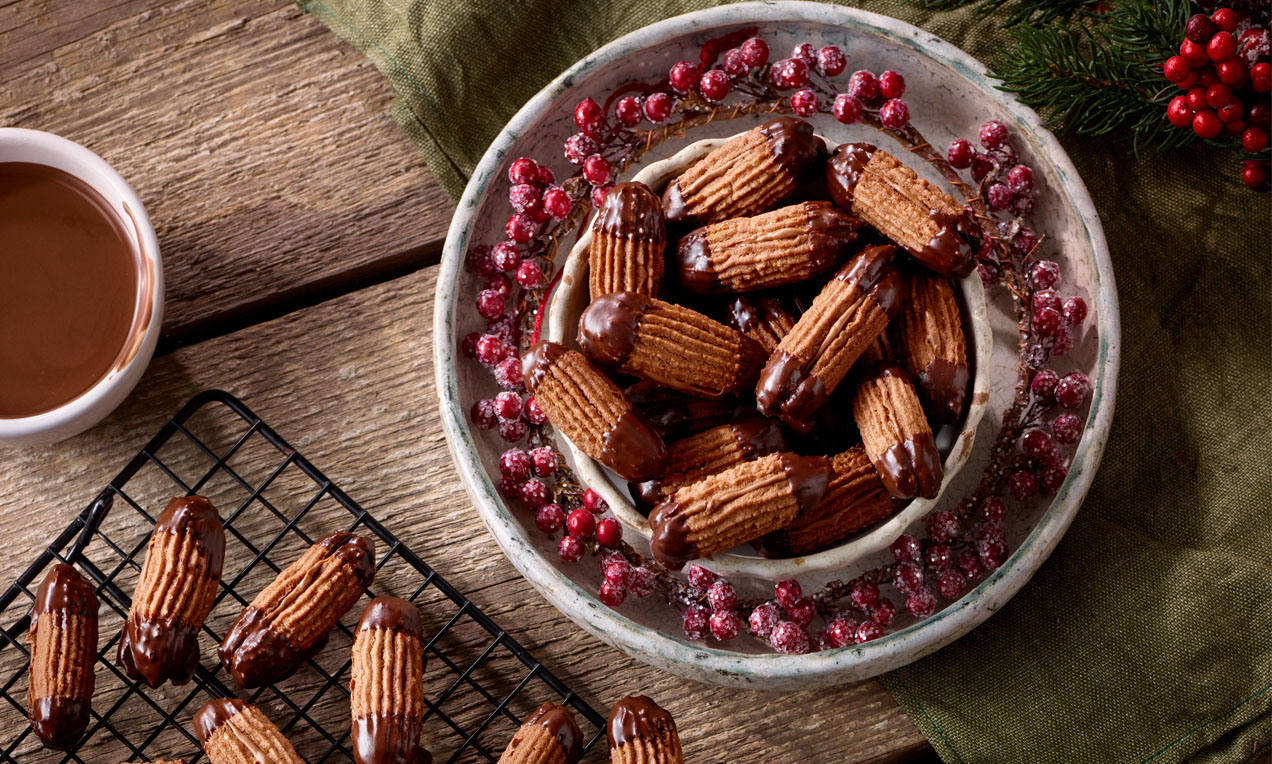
<point>1147,636</point>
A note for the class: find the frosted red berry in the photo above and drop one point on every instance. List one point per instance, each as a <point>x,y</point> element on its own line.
<point>643,582</point>
<point>942,526</point>
<point>596,170</point>
<point>505,256</point>
<point>699,576</point>
<point>628,111</point>
<point>734,63</point>
<point>789,73</point>
<point>831,61</point>
<point>806,53</point>
<point>992,553</point>
<point>580,523</point>
<point>842,632</point>
<point>658,107</point>
<point>968,564</point>
<point>868,630</point>
<point>894,114</point>
<point>863,86</point>
<point>524,196</point>
<point>883,612</point>
<point>1066,428</point>
<point>684,76</point>
<point>544,461</point>
<point>491,350</point>
<point>998,196</point>
<point>1044,274</point>
<point>611,595</point>
<point>981,166</point>
<point>992,134</point>
<point>801,612</point>
<point>1074,311</point>
<point>1073,389</point>
<point>988,272</point>
<point>696,622</point>
<point>523,170</point>
<point>1046,322</point>
<point>508,405</point>
<point>721,595</point>
<point>907,577</point>
<point>1051,477</point>
<point>490,304</point>
<point>714,85</point>
<point>468,345</point>
<point>483,414</point>
<point>787,592</point>
<point>1222,47</point>
<point>512,430</point>
<point>479,261</point>
<point>1254,45</point>
<point>789,639</point>
<point>1176,69</point>
<point>608,532</point>
<point>992,508</point>
<point>959,154</point>
<point>1044,384</point>
<point>1020,179</point>
<point>1022,485</point>
<point>921,603</point>
<point>725,625</point>
<point>804,102</point>
<point>847,109</point>
<point>1046,298</point>
<point>938,556</point>
<point>520,227</point>
<point>950,583</point>
<point>535,493</point>
<point>891,84</point>
<point>1036,442</point>
<point>500,283</point>
<point>515,464</point>
<point>593,502</point>
<point>863,595</point>
<point>762,620</point>
<point>529,274</point>
<point>618,571</point>
<point>570,549</point>
<point>579,147</point>
<point>549,518</point>
<point>599,193</point>
<point>755,52</point>
<point>906,548</point>
<point>534,414</point>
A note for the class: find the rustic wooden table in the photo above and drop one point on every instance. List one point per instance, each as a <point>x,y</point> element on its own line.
<point>300,233</point>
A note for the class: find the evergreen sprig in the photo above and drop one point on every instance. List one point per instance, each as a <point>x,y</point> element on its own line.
<point>1022,11</point>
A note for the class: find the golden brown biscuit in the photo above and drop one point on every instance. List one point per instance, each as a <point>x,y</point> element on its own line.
<point>642,732</point>
<point>628,240</point>
<point>708,452</point>
<point>547,736</point>
<point>386,688</point>
<point>233,731</point>
<point>63,642</point>
<point>928,337</point>
<point>896,435</point>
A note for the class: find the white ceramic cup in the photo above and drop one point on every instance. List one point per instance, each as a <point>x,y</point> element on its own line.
<point>91,406</point>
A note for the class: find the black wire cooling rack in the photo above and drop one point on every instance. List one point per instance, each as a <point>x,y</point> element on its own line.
<point>479,682</point>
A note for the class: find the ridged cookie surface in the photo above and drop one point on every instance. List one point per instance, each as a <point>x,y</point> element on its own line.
<point>628,240</point>
<point>895,433</point>
<point>547,736</point>
<point>928,337</point>
<point>232,731</point>
<point>642,732</point>
<point>386,688</point>
<point>63,645</point>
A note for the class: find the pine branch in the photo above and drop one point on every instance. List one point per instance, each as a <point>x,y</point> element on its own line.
<point>1033,12</point>
<point>1150,30</point>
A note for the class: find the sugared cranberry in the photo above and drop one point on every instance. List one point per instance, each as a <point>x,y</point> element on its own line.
<point>557,203</point>
<point>505,256</point>
<point>523,170</point>
<point>869,630</point>
<point>580,524</point>
<point>992,508</point>
<point>468,345</point>
<point>968,564</point>
<point>988,272</point>
<point>1046,298</point>
<point>789,73</point>
<point>883,612</point>
<point>520,227</point>
<point>1022,485</point>
<point>1044,274</point>
<point>789,639</point>
<point>570,549</point>
<point>545,175</point>
<point>549,518</point>
<point>599,193</point>
<point>699,576</point>
<point>658,107</point>
<point>1253,45</point>
<point>534,414</point>
<point>990,530</point>
<point>535,493</point>
<point>891,84</point>
<point>1036,442</point>
<point>992,553</point>
<point>500,283</point>
<point>508,374</point>
<point>544,461</point>
<point>714,85</point>
<point>755,52</point>
<point>734,64</point>
<point>593,502</point>
<point>863,86</point>
<point>1066,428</point>
<point>684,76</point>
<point>508,405</point>
<point>628,111</point>
<point>921,603</point>
<point>479,261</point>
<point>483,414</point>
<point>951,584</point>
<point>842,632</point>
<point>608,532</point>
<point>805,52</point>
<point>1020,179</point>
<point>596,170</point>
<point>524,196</point>
<point>894,114</point>
<point>960,154</point>
<point>1176,69</point>
<point>618,571</point>
<point>579,147</point>
<point>721,595</point>
<point>942,526</point>
<point>787,592</point>
<point>643,582</point>
<point>938,556</point>
<point>831,61</point>
<point>491,350</point>
<point>1044,384</point>
<point>998,196</point>
<point>529,274</point>
<point>981,166</point>
<point>725,625</point>
<point>1051,477</point>
<point>847,109</point>
<point>611,595</point>
<point>1022,205</point>
<point>992,134</point>
<point>1074,310</point>
<point>906,548</point>
<point>863,595</point>
<point>801,612</point>
<point>804,102</point>
<point>1073,389</point>
<point>907,577</point>
<point>515,463</point>
<point>696,622</point>
<point>762,620</point>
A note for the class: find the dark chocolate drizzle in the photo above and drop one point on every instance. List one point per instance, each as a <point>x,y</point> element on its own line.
<point>874,271</point>
<point>155,650</point>
<point>392,614</point>
<point>758,436</point>
<point>636,718</point>
<point>559,721</point>
<point>357,552</point>
<point>670,540</point>
<point>631,211</point>
<point>59,722</point>
<point>607,327</point>
<point>388,739</point>
<point>844,169</point>
<point>912,467</point>
<point>537,360</point>
<point>793,144</point>
<point>633,448</point>
<point>693,259</point>
<point>952,251</point>
<point>830,231</point>
<point>808,477</point>
<point>213,714</point>
<point>943,386</point>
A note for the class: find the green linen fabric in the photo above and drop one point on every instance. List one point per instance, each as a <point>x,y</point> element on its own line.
<point>1147,636</point>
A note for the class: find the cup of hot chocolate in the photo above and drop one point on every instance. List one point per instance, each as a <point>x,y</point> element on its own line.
<point>81,288</point>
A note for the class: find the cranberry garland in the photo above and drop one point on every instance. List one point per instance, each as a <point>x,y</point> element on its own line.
<point>961,545</point>
<point>1223,67</point>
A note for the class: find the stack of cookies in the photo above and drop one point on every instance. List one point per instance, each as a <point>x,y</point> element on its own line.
<point>768,345</point>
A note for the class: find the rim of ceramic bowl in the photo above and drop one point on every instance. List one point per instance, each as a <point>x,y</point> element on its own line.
<point>560,318</point>
<point>775,671</point>
<point>105,394</point>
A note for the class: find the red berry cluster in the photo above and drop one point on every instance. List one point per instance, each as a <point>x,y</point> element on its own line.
<point>1223,67</point>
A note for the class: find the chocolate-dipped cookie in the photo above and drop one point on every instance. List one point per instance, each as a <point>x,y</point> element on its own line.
<point>628,239</point>
<point>708,452</point>
<point>642,732</point>
<point>63,643</point>
<point>928,338</point>
<point>387,684</point>
<point>548,736</point>
<point>233,731</point>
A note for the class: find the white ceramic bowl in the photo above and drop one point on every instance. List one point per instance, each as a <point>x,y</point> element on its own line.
<point>568,302</point>
<point>950,95</point>
<point>91,406</point>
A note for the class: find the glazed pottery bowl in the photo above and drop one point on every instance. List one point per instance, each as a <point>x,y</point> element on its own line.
<point>954,442</point>
<point>950,95</point>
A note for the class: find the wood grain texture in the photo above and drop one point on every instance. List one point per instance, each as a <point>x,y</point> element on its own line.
<point>349,382</point>
<point>260,144</point>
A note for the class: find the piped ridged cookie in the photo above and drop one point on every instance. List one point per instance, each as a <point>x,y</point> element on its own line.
<point>748,173</point>
<point>672,345</point>
<point>677,414</point>
<point>290,619</point>
<point>708,452</point>
<point>386,689</point>
<point>928,338</point>
<point>548,736</point>
<point>854,499</point>
<point>175,592</point>
<point>642,732</point>
<point>764,319</point>
<point>812,359</point>
<point>927,222</point>
<point>233,731</point>
<point>785,246</point>
<point>735,506</point>
<point>63,645</point>
<point>895,433</point>
<point>628,240</point>
<point>592,411</point>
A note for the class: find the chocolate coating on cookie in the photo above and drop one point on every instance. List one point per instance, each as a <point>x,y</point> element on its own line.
<point>392,614</point>
<point>808,476</point>
<point>669,542</point>
<point>635,718</point>
<point>794,145</point>
<point>607,328</point>
<point>944,384</point>
<point>59,720</point>
<point>632,448</point>
<point>559,722</point>
<point>214,714</point>
<point>537,360</point>
<point>631,211</point>
<point>844,168</point>
<point>952,250</point>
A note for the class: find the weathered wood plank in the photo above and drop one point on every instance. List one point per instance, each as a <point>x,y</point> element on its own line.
<point>350,383</point>
<point>260,144</point>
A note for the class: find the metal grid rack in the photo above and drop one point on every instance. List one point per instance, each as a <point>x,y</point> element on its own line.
<point>479,682</point>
